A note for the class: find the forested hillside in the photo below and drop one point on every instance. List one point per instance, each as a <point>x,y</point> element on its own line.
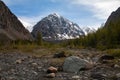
<point>107,36</point>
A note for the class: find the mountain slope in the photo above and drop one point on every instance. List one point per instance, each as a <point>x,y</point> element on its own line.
<point>112,28</point>
<point>10,27</point>
<point>114,18</point>
<point>107,36</point>
<point>55,27</point>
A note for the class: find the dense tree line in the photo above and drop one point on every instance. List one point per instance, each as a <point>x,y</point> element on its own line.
<point>105,37</point>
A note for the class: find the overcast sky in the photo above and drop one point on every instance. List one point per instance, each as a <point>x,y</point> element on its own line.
<point>86,13</point>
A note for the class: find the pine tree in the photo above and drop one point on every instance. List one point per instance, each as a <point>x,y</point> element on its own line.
<point>39,38</point>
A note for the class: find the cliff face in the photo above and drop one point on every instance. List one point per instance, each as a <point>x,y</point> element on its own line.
<point>10,27</point>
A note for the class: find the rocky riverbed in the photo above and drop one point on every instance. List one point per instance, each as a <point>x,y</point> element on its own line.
<point>19,66</point>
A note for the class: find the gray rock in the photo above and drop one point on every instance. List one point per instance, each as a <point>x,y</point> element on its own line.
<point>116,66</point>
<point>51,75</point>
<point>19,61</point>
<point>118,75</point>
<point>12,78</point>
<point>74,64</point>
<point>76,77</point>
<point>34,64</point>
<point>98,76</point>
<point>106,58</point>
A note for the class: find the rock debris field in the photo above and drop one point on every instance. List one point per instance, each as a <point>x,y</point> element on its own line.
<point>19,66</point>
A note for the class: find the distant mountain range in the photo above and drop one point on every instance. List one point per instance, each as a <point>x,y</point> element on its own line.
<point>10,27</point>
<point>53,27</point>
<point>56,27</point>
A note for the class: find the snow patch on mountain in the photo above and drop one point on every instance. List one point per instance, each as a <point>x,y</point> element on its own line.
<point>88,30</point>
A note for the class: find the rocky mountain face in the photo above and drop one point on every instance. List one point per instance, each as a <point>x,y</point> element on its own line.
<point>114,18</point>
<point>55,27</point>
<point>10,27</point>
<point>112,27</point>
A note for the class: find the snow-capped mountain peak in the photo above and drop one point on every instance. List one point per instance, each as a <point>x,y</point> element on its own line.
<point>56,27</point>
<point>56,14</point>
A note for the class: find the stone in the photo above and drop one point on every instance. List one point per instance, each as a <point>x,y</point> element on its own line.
<point>35,72</point>
<point>12,78</point>
<point>12,70</point>
<point>50,75</point>
<point>76,77</point>
<point>98,76</point>
<point>116,66</point>
<point>52,70</point>
<point>39,68</point>
<point>59,55</point>
<point>89,66</point>
<point>34,64</point>
<point>104,58</point>
<point>19,61</point>
<point>118,75</point>
<point>74,64</point>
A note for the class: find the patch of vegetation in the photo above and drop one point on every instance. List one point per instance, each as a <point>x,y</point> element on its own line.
<point>114,52</point>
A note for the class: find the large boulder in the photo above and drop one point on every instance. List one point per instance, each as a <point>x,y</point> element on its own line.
<point>75,64</point>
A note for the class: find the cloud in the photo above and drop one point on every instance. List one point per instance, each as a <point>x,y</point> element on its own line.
<point>101,8</point>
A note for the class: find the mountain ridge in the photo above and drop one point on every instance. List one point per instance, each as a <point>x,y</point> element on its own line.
<point>56,27</point>
<point>115,15</point>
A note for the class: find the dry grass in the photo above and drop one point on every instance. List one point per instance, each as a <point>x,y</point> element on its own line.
<point>34,49</point>
<point>56,61</point>
<point>114,52</point>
